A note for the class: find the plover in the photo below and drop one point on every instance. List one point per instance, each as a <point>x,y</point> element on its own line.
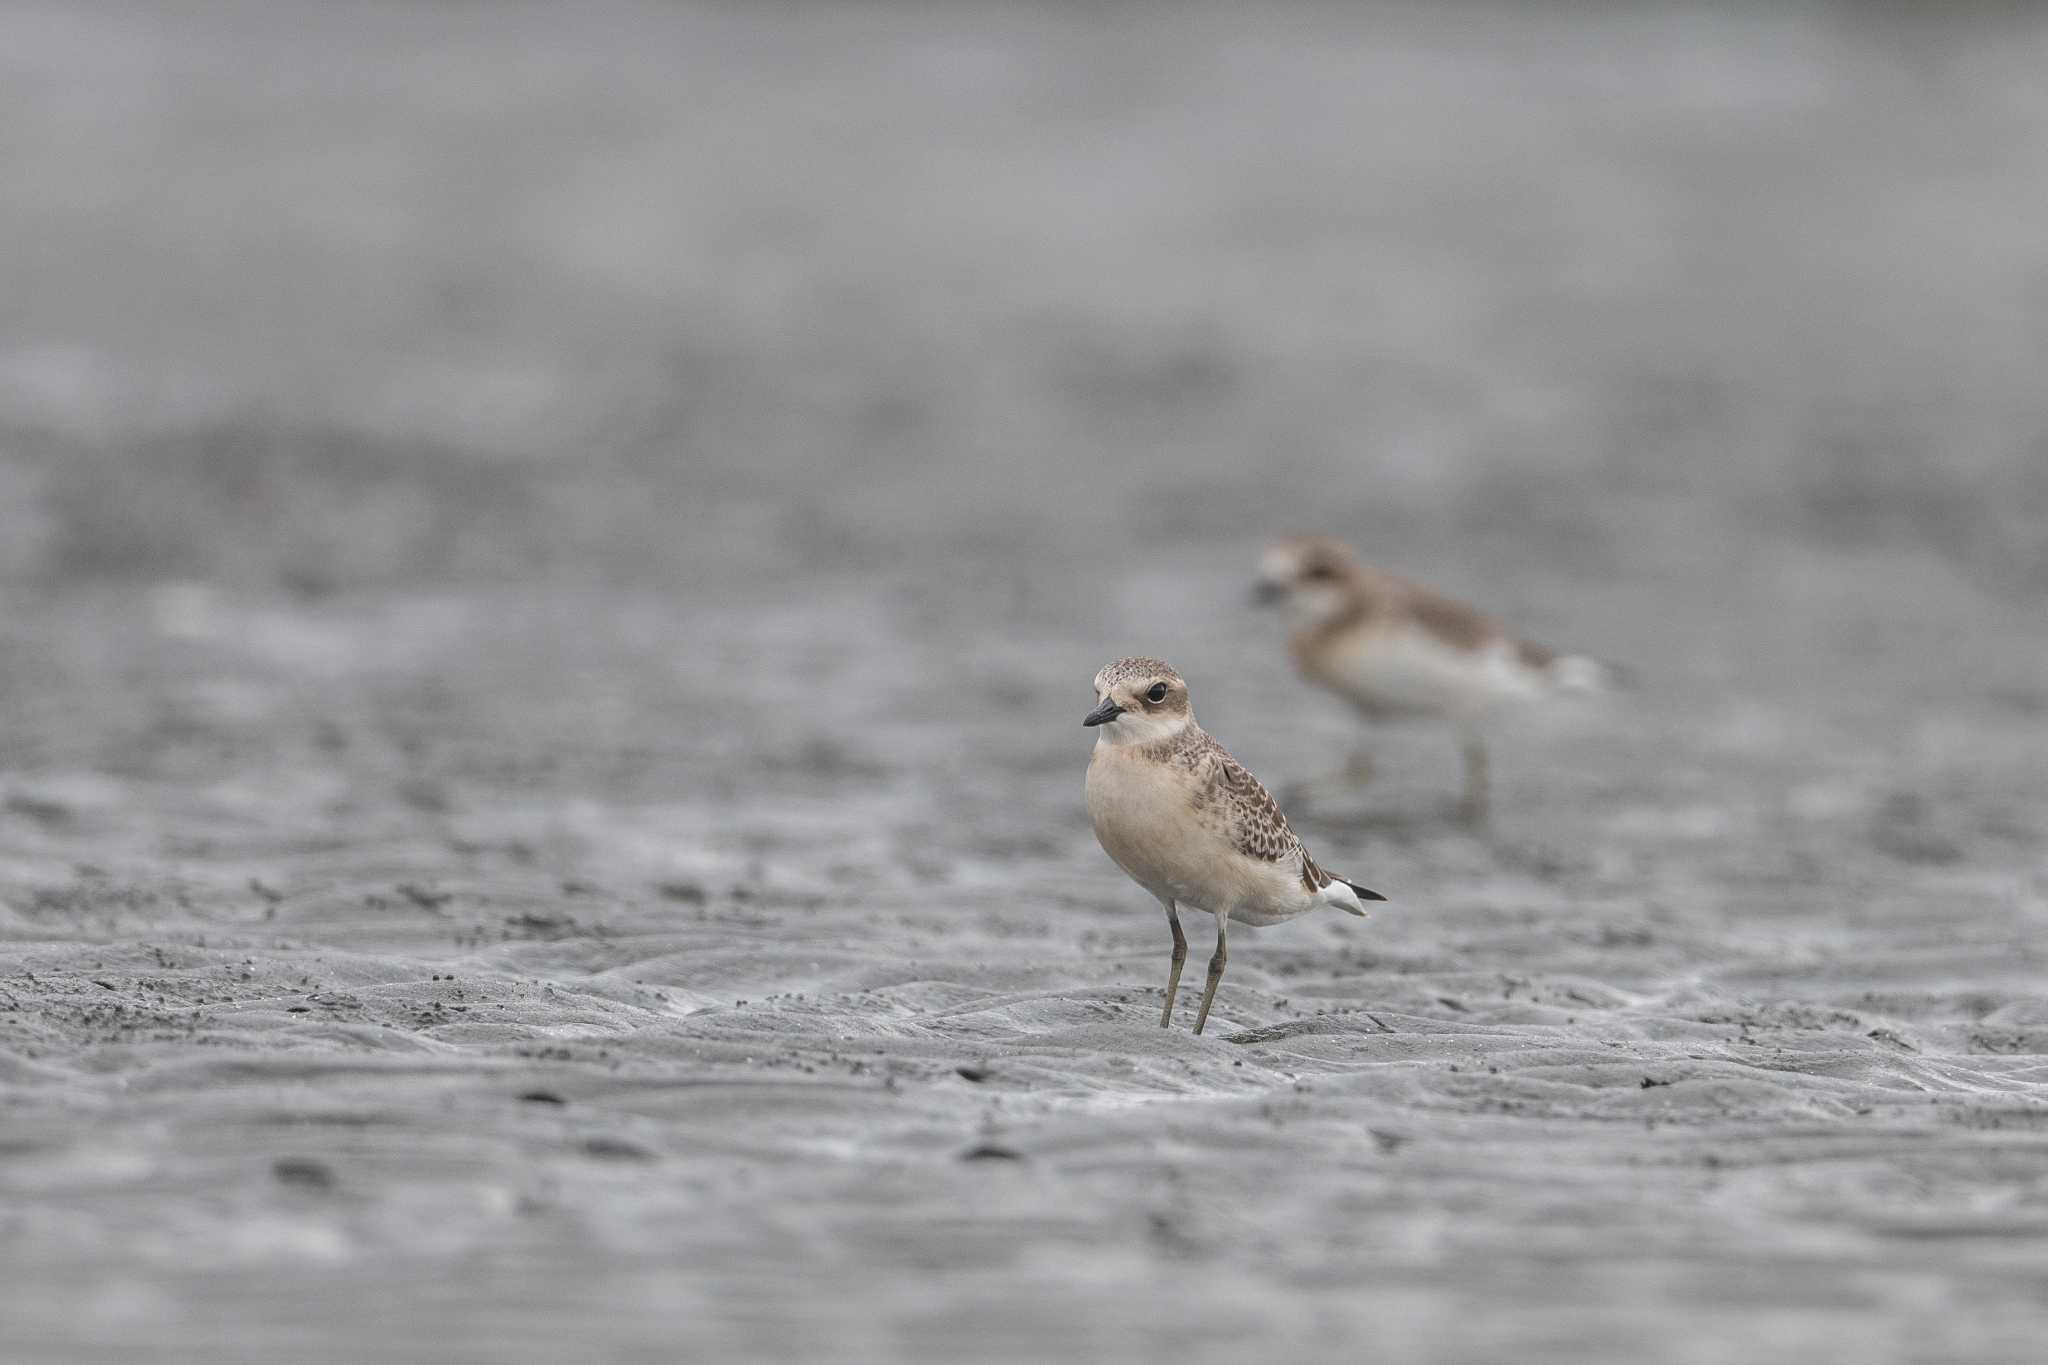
<point>1395,649</point>
<point>1185,820</point>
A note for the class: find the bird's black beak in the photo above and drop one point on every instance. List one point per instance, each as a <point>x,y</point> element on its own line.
<point>1265,592</point>
<point>1103,714</point>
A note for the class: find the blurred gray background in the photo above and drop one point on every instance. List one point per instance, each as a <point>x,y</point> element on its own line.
<point>559,550</point>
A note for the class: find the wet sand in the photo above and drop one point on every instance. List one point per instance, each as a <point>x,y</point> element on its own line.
<point>541,818</point>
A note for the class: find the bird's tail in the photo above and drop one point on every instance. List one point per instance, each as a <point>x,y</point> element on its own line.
<point>1348,896</point>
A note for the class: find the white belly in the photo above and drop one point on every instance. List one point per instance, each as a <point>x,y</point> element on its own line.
<point>1405,671</point>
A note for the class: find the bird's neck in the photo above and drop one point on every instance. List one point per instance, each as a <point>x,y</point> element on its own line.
<point>1130,734</point>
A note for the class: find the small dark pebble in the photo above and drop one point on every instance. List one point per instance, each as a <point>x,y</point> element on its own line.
<point>977,1074</point>
<point>35,808</point>
<point>303,1172</point>
<point>298,1009</point>
<point>1648,1083</point>
<point>104,985</point>
<point>988,1151</point>
<point>617,1149</point>
<point>542,1097</point>
<point>423,897</point>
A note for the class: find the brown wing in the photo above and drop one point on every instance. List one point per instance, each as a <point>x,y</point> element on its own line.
<point>1464,627</point>
<point>1373,595</point>
<point>1450,620</point>
<point>1257,826</point>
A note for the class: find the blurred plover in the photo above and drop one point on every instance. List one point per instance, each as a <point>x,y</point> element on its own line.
<point>1185,820</point>
<point>1395,649</point>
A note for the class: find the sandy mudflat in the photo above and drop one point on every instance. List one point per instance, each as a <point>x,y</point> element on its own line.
<point>417,1005</point>
<point>548,580</point>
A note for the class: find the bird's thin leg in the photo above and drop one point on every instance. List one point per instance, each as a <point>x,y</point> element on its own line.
<point>1215,971</point>
<point>1180,955</point>
<point>1472,809</point>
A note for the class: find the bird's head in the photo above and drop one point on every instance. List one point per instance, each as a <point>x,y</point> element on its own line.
<point>1313,577</point>
<point>1139,701</point>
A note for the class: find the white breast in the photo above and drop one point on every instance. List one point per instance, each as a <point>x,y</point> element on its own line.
<point>1142,819</point>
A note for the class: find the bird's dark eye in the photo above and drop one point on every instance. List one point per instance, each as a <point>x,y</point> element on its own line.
<point>1157,694</point>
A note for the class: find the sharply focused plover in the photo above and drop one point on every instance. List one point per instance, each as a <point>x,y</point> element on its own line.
<point>1173,809</point>
<point>1395,649</point>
